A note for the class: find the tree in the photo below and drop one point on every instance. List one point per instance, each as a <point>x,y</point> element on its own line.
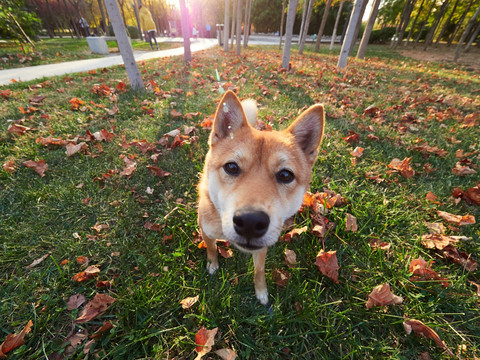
<point>431,32</point>
<point>226,26</point>
<point>460,22</point>
<point>17,23</point>
<point>292,9</point>
<point>337,20</point>
<point>303,38</point>
<point>368,30</point>
<point>281,24</point>
<point>414,22</point>
<point>248,15</point>
<point>447,22</point>
<point>124,45</point>
<point>239,26</point>
<point>349,37</point>
<point>266,15</point>
<point>407,12</point>
<point>187,55</point>
<point>469,27</point>
<point>322,25</point>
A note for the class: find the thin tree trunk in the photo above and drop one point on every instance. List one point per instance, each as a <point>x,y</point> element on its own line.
<point>469,27</point>
<point>239,26</point>
<point>349,37</point>
<point>187,54</point>
<point>357,28</point>
<point>305,30</point>
<point>234,17</point>
<point>472,38</point>
<point>405,20</point>
<point>102,14</point>
<point>414,22</point>
<point>368,30</point>
<point>447,22</point>
<point>337,20</point>
<point>226,26</point>
<point>292,9</point>
<point>460,22</point>
<point>246,26</point>
<point>322,25</point>
<point>431,32</point>
<point>304,16</point>
<point>281,24</point>
<point>124,45</point>
<point>424,24</point>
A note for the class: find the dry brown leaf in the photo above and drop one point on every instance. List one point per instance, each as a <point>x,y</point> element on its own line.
<point>38,261</point>
<point>457,219</point>
<point>289,235</point>
<point>357,152</point>
<point>72,149</point>
<point>225,252</point>
<point>438,241</point>
<point>94,308</point>
<point>39,166</point>
<point>281,277</point>
<point>88,274</point>
<point>432,198</point>
<point>461,170</point>
<point>459,257</point>
<point>14,341</point>
<point>226,354</point>
<point>435,228</point>
<point>204,339</point>
<point>420,328</point>
<point>17,129</point>
<point>327,264</point>
<point>9,166</point>
<point>107,325</point>
<point>351,223</point>
<point>188,302</point>
<point>290,257</point>
<point>75,301</point>
<point>422,271</point>
<point>381,295</point>
<point>402,166</point>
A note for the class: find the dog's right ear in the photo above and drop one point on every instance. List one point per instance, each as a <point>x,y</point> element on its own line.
<point>229,117</point>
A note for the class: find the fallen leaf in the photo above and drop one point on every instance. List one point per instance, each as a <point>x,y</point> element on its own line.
<point>94,308</point>
<point>107,326</point>
<point>38,166</point>
<point>357,152</point>
<point>327,263</point>
<point>432,198</point>
<point>402,166</point>
<point>290,257</point>
<point>471,195</point>
<point>188,302</point>
<point>435,228</point>
<point>457,219</point>
<point>422,271</point>
<point>461,170</point>
<point>437,241</point>
<point>381,295</point>
<point>459,257</point>
<point>75,301</point>
<point>9,166</point>
<point>281,277</point>
<point>226,354</point>
<point>37,261</point>
<point>88,274</point>
<point>204,339</point>
<point>17,129</point>
<point>351,223</point>
<point>72,149</point>
<point>225,252</point>
<point>420,328</point>
<point>14,341</point>
<point>295,232</point>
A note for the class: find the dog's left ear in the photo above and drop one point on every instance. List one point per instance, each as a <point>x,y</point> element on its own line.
<point>308,130</point>
<point>229,116</point>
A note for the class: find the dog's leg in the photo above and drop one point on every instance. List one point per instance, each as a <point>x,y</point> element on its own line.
<point>212,256</point>
<point>261,290</point>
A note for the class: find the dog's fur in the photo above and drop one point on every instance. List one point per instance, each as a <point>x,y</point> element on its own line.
<point>254,180</point>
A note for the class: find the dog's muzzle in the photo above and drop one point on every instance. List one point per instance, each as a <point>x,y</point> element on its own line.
<point>251,225</point>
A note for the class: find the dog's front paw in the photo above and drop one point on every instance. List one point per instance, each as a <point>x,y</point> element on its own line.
<point>262,296</point>
<point>212,267</point>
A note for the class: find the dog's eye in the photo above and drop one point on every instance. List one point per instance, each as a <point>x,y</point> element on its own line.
<point>285,176</point>
<point>232,168</point>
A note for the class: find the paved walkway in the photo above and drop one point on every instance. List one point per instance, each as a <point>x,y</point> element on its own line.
<point>41,71</point>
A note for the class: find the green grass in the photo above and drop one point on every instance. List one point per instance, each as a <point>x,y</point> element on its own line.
<point>152,272</point>
<point>48,51</point>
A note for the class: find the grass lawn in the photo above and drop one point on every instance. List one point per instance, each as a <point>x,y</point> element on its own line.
<point>110,210</point>
<point>48,51</point>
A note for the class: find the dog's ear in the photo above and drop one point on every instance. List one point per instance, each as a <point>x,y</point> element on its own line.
<point>308,130</point>
<point>229,116</point>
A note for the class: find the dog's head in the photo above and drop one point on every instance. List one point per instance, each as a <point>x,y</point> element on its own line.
<point>257,179</point>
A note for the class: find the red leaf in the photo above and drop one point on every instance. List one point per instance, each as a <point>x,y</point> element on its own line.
<point>204,339</point>
<point>14,341</point>
<point>328,265</point>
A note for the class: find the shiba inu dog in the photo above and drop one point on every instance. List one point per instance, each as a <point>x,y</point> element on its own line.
<point>254,180</point>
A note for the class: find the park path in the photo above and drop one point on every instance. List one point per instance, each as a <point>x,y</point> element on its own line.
<point>41,71</point>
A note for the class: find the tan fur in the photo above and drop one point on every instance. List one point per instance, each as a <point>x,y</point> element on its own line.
<point>224,199</point>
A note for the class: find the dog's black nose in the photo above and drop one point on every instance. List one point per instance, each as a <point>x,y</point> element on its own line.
<point>250,223</point>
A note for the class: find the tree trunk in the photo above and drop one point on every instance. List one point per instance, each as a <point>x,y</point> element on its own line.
<point>304,16</point>
<point>406,19</point>
<point>234,17</point>
<point>281,24</point>
<point>424,24</point>
<point>322,25</point>
<point>357,28</point>
<point>303,39</point>
<point>102,13</point>
<point>368,30</point>
<point>246,26</point>
<point>460,22</point>
<point>337,20</point>
<point>226,26</point>
<point>447,22</point>
<point>469,27</point>
<point>292,10</point>
<point>239,27</point>
<point>349,37</point>
<point>414,22</point>
<point>187,54</point>
<point>431,32</point>
<point>472,39</point>
<point>138,20</point>
<point>124,45</point>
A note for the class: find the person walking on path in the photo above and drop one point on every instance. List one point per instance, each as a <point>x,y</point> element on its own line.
<point>85,28</point>
<point>147,25</point>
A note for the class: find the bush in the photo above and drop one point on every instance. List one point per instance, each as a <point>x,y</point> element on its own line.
<point>382,36</point>
<point>132,31</point>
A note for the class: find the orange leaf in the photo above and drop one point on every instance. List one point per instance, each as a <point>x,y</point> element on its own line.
<point>39,166</point>
<point>17,129</point>
<point>432,198</point>
<point>94,308</point>
<point>89,273</point>
<point>357,152</point>
<point>327,263</point>
<point>402,166</point>
<point>204,339</point>
<point>9,166</point>
<point>107,325</point>
<point>422,271</point>
<point>438,241</point>
<point>457,219</point>
<point>14,341</point>
<point>297,231</point>
<point>381,295</point>
<point>420,328</point>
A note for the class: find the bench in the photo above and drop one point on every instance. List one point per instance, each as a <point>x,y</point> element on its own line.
<point>98,44</point>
